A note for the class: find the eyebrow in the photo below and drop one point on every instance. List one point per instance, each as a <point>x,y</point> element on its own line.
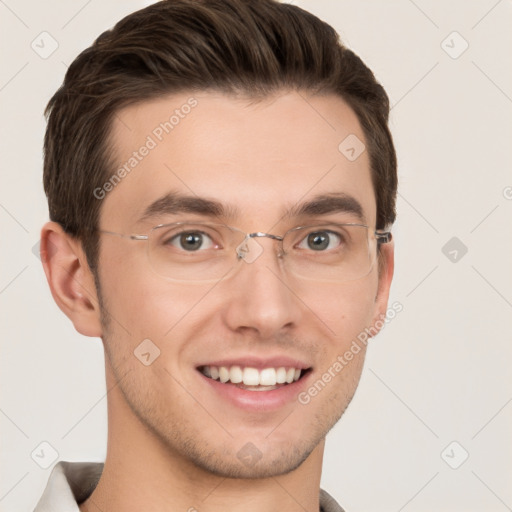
<point>323,204</point>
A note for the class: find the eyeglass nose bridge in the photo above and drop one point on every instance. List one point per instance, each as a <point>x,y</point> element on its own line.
<point>260,234</point>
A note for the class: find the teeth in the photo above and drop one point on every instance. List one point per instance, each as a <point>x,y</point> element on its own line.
<point>265,379</point>
<point>251,377</point>
<point>235,374</point>
<point>281,375</point>
<point>223,374</point>
<point>268,377</point>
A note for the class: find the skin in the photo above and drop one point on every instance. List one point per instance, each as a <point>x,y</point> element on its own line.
<point>172,440</point>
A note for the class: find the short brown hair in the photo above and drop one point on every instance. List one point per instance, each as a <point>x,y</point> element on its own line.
<point>254,47</point>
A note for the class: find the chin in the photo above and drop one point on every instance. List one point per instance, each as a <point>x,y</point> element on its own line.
<point>250,463</point>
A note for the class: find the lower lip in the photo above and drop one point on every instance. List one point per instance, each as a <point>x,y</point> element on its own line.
<point>258,400</point>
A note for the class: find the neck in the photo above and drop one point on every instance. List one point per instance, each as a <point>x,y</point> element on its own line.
<point>143,473</point>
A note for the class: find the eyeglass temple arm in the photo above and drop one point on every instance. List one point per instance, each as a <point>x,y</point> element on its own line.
<point>383,238</point>
<point>130,237</point>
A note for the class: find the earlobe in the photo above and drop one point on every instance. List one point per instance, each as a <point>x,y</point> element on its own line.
<point>70,279</point>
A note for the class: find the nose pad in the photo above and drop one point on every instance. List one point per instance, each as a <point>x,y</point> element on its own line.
<point>249,250</point>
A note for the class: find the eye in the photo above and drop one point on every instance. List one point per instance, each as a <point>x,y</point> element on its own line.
<point>191,241</point>
<point>321,240</point>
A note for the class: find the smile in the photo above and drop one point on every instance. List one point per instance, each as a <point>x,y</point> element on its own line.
<point>253,379</point>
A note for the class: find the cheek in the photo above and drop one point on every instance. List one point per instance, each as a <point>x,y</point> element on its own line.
<point>149,316</point>
<point>153,307</point>
<point>346,308</point>
<point>142,302</point>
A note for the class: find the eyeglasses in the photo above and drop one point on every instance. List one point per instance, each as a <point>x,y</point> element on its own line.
<point>197,251</point>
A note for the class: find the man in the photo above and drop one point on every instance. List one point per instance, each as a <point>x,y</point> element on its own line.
<point>221,183</point>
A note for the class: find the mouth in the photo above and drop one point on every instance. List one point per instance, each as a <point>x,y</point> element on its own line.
<point>254,379</point>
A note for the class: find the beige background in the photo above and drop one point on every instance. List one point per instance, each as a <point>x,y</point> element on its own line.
<point>438,373</point>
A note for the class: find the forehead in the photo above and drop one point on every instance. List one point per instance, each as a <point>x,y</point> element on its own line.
<point>259,159</point>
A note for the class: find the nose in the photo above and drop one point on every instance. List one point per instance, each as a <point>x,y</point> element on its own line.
<point>259,295</point>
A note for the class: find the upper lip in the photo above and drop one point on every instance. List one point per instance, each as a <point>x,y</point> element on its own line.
<point>259,362</point>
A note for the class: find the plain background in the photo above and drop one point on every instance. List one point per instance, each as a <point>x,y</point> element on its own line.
<point>438,373</point>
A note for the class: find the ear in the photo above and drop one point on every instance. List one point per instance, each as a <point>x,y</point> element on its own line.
<point>70,279</point>
<point>386,263</point>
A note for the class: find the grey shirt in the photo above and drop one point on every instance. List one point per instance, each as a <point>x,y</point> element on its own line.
<point>71,483</point>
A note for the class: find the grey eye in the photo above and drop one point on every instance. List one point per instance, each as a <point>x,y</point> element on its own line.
<point>320,241</point>
<point>191,241</point>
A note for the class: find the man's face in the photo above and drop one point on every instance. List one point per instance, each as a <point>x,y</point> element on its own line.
<point>258,161</point>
